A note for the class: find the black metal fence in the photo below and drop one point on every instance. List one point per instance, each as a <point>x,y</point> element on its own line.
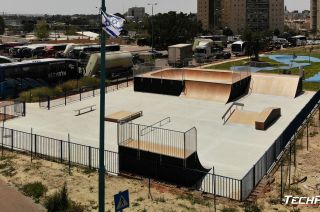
<point>12,109</point>
<point>79,94</point>
<point>275,152</point>
<point>150,138</point>
<point>57,150</point>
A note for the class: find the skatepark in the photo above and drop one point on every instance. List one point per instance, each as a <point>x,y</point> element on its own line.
<point>183,114</point>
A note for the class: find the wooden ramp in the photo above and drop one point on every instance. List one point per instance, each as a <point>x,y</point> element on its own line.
<point>157,148</point>
<point>123,116</point>
<point>207,91</point>
<point>276,84</point>
<point>260,120</point>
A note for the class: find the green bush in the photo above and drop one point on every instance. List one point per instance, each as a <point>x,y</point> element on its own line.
<point>35,190</point>
<point>252,208</point>
<point>60,201</point>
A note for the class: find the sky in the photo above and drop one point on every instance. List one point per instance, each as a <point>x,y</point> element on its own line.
<point>113,6</point>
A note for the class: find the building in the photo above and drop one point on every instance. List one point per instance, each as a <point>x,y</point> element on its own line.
<point>137,13</point>
<point>238,14</point>
<point>208,13</point>
<point>234,15</point>
<point>315,15</point>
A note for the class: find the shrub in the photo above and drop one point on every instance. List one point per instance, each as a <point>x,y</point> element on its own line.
<point>60,201</point>
<point>229,210</point>
<point>252,208</point>
<point>35,190</point>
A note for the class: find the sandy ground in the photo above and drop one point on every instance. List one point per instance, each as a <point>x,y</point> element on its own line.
<point>307,165</point>
<point>83,188</point>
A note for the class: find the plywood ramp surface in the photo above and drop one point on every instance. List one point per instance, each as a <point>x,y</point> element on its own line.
<point>157,148</point>
<point>275,84</point>
<point>122,115</point>
<point>198,75</point>
<point>207,91</point>
<point>243,117</point>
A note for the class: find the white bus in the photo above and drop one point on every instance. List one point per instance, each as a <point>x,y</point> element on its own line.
<point>239,48</point>
<point>298,40</point>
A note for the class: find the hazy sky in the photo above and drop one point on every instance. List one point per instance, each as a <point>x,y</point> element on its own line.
<point>89,6</point>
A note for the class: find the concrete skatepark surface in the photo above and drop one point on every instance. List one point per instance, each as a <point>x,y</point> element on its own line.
<point>231,148</point>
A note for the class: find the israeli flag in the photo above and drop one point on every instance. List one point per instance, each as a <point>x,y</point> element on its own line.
<point>112,24</point>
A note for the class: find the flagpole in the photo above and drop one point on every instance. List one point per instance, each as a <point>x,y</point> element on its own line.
<point>102,115</point>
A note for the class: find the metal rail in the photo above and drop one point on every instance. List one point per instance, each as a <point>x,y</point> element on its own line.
<point>229,110</point>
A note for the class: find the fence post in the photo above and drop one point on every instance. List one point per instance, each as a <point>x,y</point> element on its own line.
<point>65,98</point>
<point>69,157</point>
<point>80,90</point>
<point>61,151</point>
<point>241,196</point>
<point>90,157</point>
<point>31,144</point>
<point>93,90</point>
<point>307,136</point>
<point>24,108</point>
<point>35,144</point>
<point>128,80</point>
<point>254,176</point>
<point>11,139</point>
<point>5,113</point>
<point>184,151</point>
<point>138,141</point>
<point>214,189</point>
<point>48,102</point>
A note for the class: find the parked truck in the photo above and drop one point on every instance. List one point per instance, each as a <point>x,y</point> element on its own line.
<point>179,55</point>
<point>205,48</point>
<point>118,64</point>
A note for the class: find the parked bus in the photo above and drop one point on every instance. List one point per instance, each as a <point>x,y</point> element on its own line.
<point>298,40</point>
<point>19,76</point>
<point>239,48</point>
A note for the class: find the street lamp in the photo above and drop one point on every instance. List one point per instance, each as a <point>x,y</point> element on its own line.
<point>152,39</point>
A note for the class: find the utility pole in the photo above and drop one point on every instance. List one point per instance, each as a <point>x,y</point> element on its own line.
<point>152,39</point>
<point>102,114</point>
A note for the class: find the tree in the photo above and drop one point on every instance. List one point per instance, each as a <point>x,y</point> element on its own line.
<point>28,26</point>
<point>172,28</point>
<point>227,31</point>
<point>2,25</point>
<point>276,32</point>
<point>256,41</point>
<point>42,29</point>
<point>71,30</point>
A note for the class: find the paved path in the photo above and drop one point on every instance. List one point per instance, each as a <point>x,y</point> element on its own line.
<point>11,200</point>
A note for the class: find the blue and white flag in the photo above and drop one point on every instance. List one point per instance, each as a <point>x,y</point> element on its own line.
<point>112,24</point>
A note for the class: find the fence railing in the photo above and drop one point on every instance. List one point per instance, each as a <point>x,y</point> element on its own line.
<point>79,95</point>
<point>12,109</point>
<point>150,138</point>
<point>57,150</point>
<point>274,153</point>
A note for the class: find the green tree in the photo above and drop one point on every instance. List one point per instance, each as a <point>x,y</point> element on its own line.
<point>256,41</point>
<point>42,29</point>
<point>2,25</point>
<point>71,30</point>
<point>276,32</point>
<point>227,31</point>
<point>27,26</point>
<point>172,28</point>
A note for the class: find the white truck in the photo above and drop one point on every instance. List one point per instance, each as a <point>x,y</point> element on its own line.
<point>205,48</point>
<point>179,55</point>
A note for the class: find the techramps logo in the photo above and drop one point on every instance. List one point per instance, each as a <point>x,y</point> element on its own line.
<point>304,201</point>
